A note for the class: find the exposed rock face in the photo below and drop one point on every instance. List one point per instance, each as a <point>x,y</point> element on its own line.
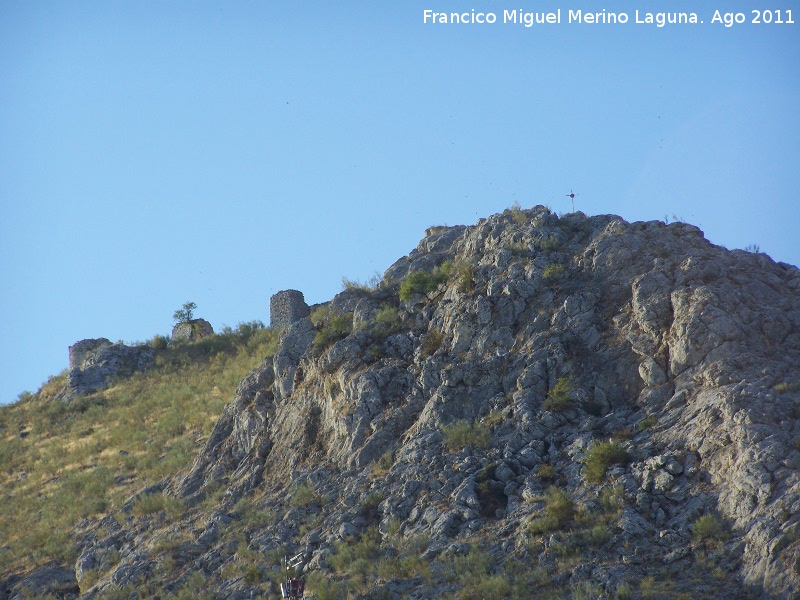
<point>286,307</point>
<point>550,336</point>
<point>51,582</point>
<point>189,331</point>
<point>94,363</point>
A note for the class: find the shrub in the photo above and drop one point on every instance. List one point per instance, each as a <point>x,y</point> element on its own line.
<point>323,589</point>
<point>369,507</point>
<point>384,463</point>
<point>549,244</point>
<point>469,569</point>
<point>517,214</point>
<point>646,423</point>
<point>422,282</point>
<point>462,433</point>
<point>612,499</point>
<point>709,529</point>
<point>553,270</point>
<point>185,314</point>
<point>490,492</point>
<point>332,326</point>
<point>600,457</point>
<point>248,511</point>
<point>465,277</point>
<point>517,247</point>
<point>558,398</point>
<point>432,342</point>
<point>488,587</point>
<point>387,320</point>
<point>350,555</point>
<point>148,504</point>
<point>159,342</point>
<point>405,567</point>
<point>547,472</point>
<point>558,511</point>
<point>785,386</point>
<point>25,396</point>
<point>303,494</point>
<point>371,283</point>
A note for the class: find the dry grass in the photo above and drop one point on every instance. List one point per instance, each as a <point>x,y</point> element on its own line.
<point>85,458</point>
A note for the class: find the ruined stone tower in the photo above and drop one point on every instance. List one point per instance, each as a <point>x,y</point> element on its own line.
<point>286,307</point>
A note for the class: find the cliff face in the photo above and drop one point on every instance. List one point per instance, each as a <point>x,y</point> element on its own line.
<point>646,375</point>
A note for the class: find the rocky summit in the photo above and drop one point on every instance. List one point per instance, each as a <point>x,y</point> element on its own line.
<point>531,406</point>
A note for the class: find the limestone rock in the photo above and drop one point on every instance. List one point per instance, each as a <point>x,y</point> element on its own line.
<point>95,363</point>
<point>683,353</point>
<point>49,581</point>
<point>189,331</point>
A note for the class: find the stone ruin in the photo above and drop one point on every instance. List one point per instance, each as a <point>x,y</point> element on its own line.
<point>286,307</point>
<point>94,363</point>
<point>189,331</point>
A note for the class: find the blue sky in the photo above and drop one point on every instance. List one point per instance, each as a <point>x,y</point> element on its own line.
<point>157,152</point>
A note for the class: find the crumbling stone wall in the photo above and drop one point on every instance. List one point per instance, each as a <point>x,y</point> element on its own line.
<point>286,307</point>
<point>80,350</point>
<point>189,331</point>
<point>94,363</point>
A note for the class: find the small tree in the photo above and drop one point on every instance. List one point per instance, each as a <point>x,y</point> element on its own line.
<point>185,314</point>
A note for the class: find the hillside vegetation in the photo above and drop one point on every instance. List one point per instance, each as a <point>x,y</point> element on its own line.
<point>63,462</point>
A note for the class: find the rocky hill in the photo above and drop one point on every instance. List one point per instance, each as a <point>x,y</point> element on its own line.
<point>529,407</point>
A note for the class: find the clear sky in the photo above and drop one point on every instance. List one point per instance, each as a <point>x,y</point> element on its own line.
<point>157,152</point>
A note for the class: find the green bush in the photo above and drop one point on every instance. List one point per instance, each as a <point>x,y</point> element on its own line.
<point>469,569</point>
<point>518,215</point>
<point>159,342</point>
<point>387,321</point>
<point>463,433</point>
<point>549,244</point>
<point>554,270</point>
<point>646,423</point>
<point>422,282</point>
<point>303,494</point>
<point>517,247</point>
<point>546,471</point>
<point>323,589</point>
<point>331,326</point>
<point>558,511</point>
<point>432,342</point>
<point>465,277</point>
<point>558,398</point>
<point>600,457</point>
<point>350,554</point>
<point>384,463</point>
<point>374,281</point>
<point>148,504</point>
<point>612,499</point>
<point>709,529</point>
<point>404,567</point>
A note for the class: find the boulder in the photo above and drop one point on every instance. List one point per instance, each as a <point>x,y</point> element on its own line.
<point>190,331</point>
<point>94,363</point>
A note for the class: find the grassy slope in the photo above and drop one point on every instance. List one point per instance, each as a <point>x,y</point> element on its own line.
<point>62,462</point>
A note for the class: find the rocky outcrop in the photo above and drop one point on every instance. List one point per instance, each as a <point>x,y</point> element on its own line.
<point>548,338</point>
<point>190,331</point>
<point>95,363</point>
<point>51,582</point>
